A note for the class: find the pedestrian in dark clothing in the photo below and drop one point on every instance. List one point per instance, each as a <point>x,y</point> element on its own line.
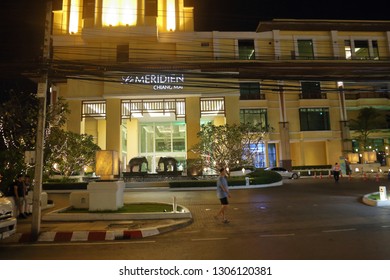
<point>336,172</point>
<point>19,195</point>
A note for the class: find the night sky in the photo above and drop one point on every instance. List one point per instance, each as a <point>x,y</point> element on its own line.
<point>22,21</point>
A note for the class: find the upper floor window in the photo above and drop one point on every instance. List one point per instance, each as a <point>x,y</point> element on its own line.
<point>254,116</point>
<point>361,49</point>
<point>312,119</point>
<point>305,49</point>
<point>95,109</point>
<point>250,91</point>
<point>246,49</point>
<point>311,90</point>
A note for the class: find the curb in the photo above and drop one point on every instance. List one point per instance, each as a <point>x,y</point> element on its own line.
<point>80,236</point>
<point>94,235</point>
<point>377,203</point>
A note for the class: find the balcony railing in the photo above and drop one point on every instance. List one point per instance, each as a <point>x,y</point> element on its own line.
<point>361,95</point>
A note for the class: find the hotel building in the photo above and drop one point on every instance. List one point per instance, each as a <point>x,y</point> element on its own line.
<point>141,80</point>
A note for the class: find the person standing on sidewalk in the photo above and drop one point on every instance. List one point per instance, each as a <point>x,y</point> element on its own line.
<point>28,198</point>
<point>336,172</point>
<point>19,195</point>
<point>223,194</point>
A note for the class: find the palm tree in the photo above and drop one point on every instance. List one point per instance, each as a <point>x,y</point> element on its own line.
<point>368,121</point>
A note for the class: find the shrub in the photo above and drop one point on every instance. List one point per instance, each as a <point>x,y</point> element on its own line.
<point>258,177</point>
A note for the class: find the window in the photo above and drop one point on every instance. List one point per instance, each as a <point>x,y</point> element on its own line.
<point>249,91</point>
<point>246,49</point>
<point>254,116</point>
<point>361,49</point>
<point>163,137</point>
<point>95,109</point>
<point>312,119</point>
<point>212,106</point>
<point>305,49</point>
<point>122,53</point>
<point>311,90</point>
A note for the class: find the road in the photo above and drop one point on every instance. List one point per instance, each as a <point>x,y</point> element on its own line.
<point>305,219</point>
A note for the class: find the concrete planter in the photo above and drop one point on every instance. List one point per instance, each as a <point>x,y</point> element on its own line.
<point>373,202</point>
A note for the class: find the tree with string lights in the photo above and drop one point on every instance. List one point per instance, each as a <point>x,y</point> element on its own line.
<point>229,146</point>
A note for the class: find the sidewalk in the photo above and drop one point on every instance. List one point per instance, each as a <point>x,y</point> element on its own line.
<point>94,231</point>
<point>102,230</point>
<point>66,231</point>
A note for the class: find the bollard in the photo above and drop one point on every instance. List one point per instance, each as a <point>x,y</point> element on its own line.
<point>382,193</point>
<point>174,205</point>
<point>247,181</point>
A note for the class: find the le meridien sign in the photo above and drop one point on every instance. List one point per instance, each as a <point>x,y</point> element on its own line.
<point>158,81</point>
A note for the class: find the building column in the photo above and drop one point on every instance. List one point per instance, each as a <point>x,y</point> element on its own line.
<point>73,123</point>
<point>277,49</point>
<point>344,125</point>
<point>113,125</point>
<point>335,43</point>
<point>140,12</point>
<point>192,129</point>
<point>232,109</point>
<point>98,13</point>
<point>192,124</point>
<point>132,138</point>
<point>284,152</point>
<point>65,16</point>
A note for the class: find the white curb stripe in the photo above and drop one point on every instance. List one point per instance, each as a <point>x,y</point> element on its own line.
<point>110,235</point>
<point>47,236</point>
<point>80,236</point>
<point>149,232</point>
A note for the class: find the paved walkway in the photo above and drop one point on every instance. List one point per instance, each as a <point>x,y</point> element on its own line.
<point>63,231</point>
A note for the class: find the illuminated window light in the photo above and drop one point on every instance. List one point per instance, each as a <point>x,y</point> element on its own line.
<point>119,12</point>
<point>171,15</point>
<point>74,16</point>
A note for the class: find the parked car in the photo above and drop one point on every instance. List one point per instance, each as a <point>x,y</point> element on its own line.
<point>7,219</point>
<point>284,172</point>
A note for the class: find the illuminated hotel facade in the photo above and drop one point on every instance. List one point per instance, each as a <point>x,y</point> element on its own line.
<point>139,79</point>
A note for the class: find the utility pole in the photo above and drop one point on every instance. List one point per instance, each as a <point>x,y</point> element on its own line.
<point>39,146</point>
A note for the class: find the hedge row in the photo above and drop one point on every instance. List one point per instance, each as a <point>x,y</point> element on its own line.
<point>258,177</point>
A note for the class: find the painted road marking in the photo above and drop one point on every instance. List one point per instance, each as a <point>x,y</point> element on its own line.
<point>339,230</point>
<point>278,235</point>
<point>209,239</point>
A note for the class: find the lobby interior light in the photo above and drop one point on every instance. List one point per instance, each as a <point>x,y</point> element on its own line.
<point>119,12</point>
<point>74,16</point>
<point>171,15</point>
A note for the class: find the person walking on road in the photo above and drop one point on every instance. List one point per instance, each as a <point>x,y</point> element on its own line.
<point>223,194</point>
<point>336,172</point>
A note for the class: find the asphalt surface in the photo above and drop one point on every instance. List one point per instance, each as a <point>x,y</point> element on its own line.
<point>78,231</point>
